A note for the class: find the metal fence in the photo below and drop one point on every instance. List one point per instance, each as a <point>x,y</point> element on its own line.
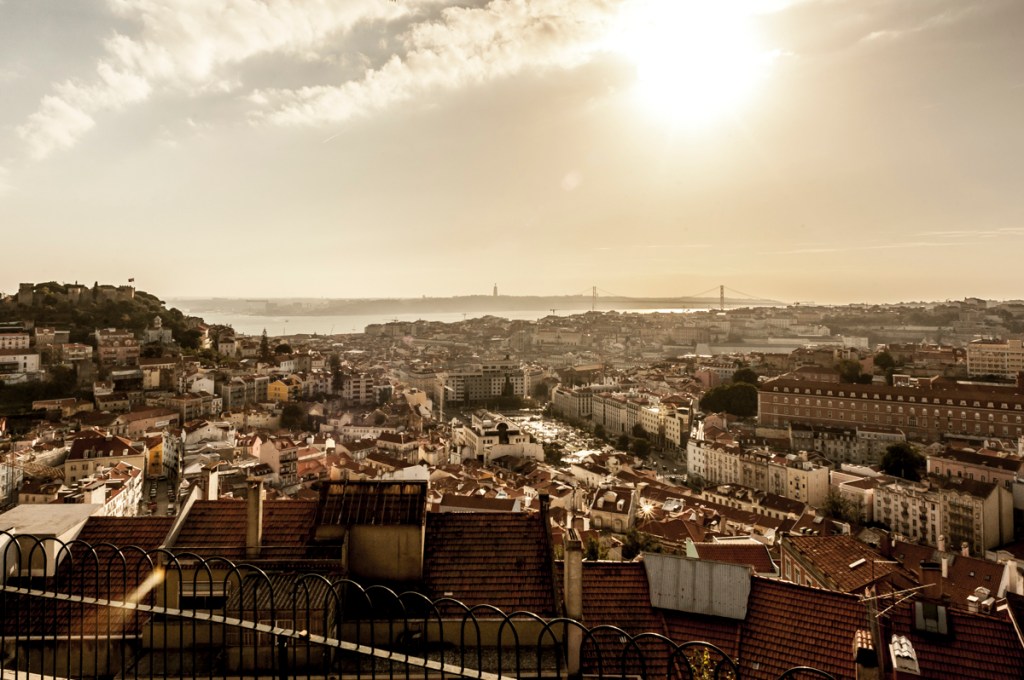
<point>99,611</point>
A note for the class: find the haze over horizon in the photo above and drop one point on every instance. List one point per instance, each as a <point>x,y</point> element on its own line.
<point>826,150</point>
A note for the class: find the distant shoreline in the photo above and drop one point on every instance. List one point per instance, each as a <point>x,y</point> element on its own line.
<point>472,304</point>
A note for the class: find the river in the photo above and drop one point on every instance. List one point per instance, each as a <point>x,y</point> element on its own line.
<point>255,324</point>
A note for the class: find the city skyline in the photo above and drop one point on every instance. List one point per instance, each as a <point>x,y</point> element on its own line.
<point>796,149</point>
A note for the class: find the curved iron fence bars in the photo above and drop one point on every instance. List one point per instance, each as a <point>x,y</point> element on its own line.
<point>102,611</point>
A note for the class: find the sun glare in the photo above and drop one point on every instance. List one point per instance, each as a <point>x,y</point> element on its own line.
<point>696,60</point>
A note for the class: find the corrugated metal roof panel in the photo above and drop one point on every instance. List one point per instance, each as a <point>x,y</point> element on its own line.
<point>698,586</point>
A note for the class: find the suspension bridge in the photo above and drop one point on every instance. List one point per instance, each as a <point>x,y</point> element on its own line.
<point>718,297</point>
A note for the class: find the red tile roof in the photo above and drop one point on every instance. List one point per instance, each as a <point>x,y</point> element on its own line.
<point>217,528</point>
<point>978,647</point>
<point>789,625</point>
<point>752,554</point>
<point>501,559</point>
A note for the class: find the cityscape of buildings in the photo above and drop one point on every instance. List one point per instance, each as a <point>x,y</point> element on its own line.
<point>587,437</point>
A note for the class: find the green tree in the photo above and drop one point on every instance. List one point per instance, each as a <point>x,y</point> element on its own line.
<point>637,542</point>
<point>264,347</point>
<point>293,417</point>
<point>739,399</point>
<point>553,453</point>
<point>641,448</point>
<point>884,361</point>
<point>593,550</point>
<point>599,431</point>
<point>745,375</point>
<point>189,339</point>
<point>639,431</point>
<point>622,443</point>
<point>902,460</point>
<point>337,377</point>
<point>849,370</point>
<point>840,508</point>
<point>283,348</point>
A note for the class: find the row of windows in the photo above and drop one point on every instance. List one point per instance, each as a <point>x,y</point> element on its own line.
<point>899,397</point>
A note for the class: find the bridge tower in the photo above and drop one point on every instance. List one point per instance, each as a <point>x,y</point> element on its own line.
<point>721,297</point>
<point>593,298</point>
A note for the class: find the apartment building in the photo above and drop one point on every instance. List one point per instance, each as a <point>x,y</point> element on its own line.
<point>978,514</point>
<point>1002,358</point>
<point>925,410</point>
<point>116,347</point>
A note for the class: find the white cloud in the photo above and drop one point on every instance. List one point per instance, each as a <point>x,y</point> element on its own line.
<point>187,45</point>
<point>467,46</point>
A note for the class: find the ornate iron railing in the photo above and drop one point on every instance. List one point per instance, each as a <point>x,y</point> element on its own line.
<point>100,611</point>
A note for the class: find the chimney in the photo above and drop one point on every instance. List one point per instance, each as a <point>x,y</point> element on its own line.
<point>942,543</point>
<point>572,569</point>
<point>945,559</point>
<point>864,656</point>
<point>885,545</point>
<point>254,519</point>
<point>211,486</point>
<point>930,574</point>
<point>965,549</point>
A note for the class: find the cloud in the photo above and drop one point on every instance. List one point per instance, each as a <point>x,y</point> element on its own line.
<point>810,250</point>
<point>946,18</point>
<point>189,46</point>
<point>467,46</point>
<point>974,233</point>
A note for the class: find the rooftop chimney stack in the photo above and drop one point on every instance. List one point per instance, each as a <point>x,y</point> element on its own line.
<point>254,519</point>
<point>965,549</point>
<point>864,656</point>
<point>573,593</point>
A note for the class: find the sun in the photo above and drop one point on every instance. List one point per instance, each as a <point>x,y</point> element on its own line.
<point>696,61</point>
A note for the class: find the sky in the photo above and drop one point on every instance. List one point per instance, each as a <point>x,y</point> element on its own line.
<point>798,150</point>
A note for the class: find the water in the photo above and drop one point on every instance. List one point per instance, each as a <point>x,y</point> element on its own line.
<point>255,324</point>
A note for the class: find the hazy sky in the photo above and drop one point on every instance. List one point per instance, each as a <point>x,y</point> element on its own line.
<point>827,150</point>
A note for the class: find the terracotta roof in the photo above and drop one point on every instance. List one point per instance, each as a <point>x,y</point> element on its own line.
<point>964,574</point>
<point>147,533</point>
<point>789,625</point>
<point>217,528</point>
<point>749,553</point>
<point>98,445</point>
<point>978,647</point>
<point>501,559</point>
<point>830,558</point>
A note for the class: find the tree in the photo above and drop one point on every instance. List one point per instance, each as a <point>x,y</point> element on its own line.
<point>293,417</point>
<point>884,361</point>
<point>283,348</point>
<point>639,431</point>
<point>840,508</point>
<point>593,550</point>
<point>622,443</point>
<point>637,542</point>
<point>552,453</point>
<point>641,448</point>
<point>264,347</point>
<point>599,431</point>
<point>745,375</point>
<point>849,370</point>
<point>902,460</point>
<point>189,339</point>
<point>739,399</point>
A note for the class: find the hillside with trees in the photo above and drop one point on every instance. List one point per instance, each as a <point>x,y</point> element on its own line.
<point>54,306</point>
